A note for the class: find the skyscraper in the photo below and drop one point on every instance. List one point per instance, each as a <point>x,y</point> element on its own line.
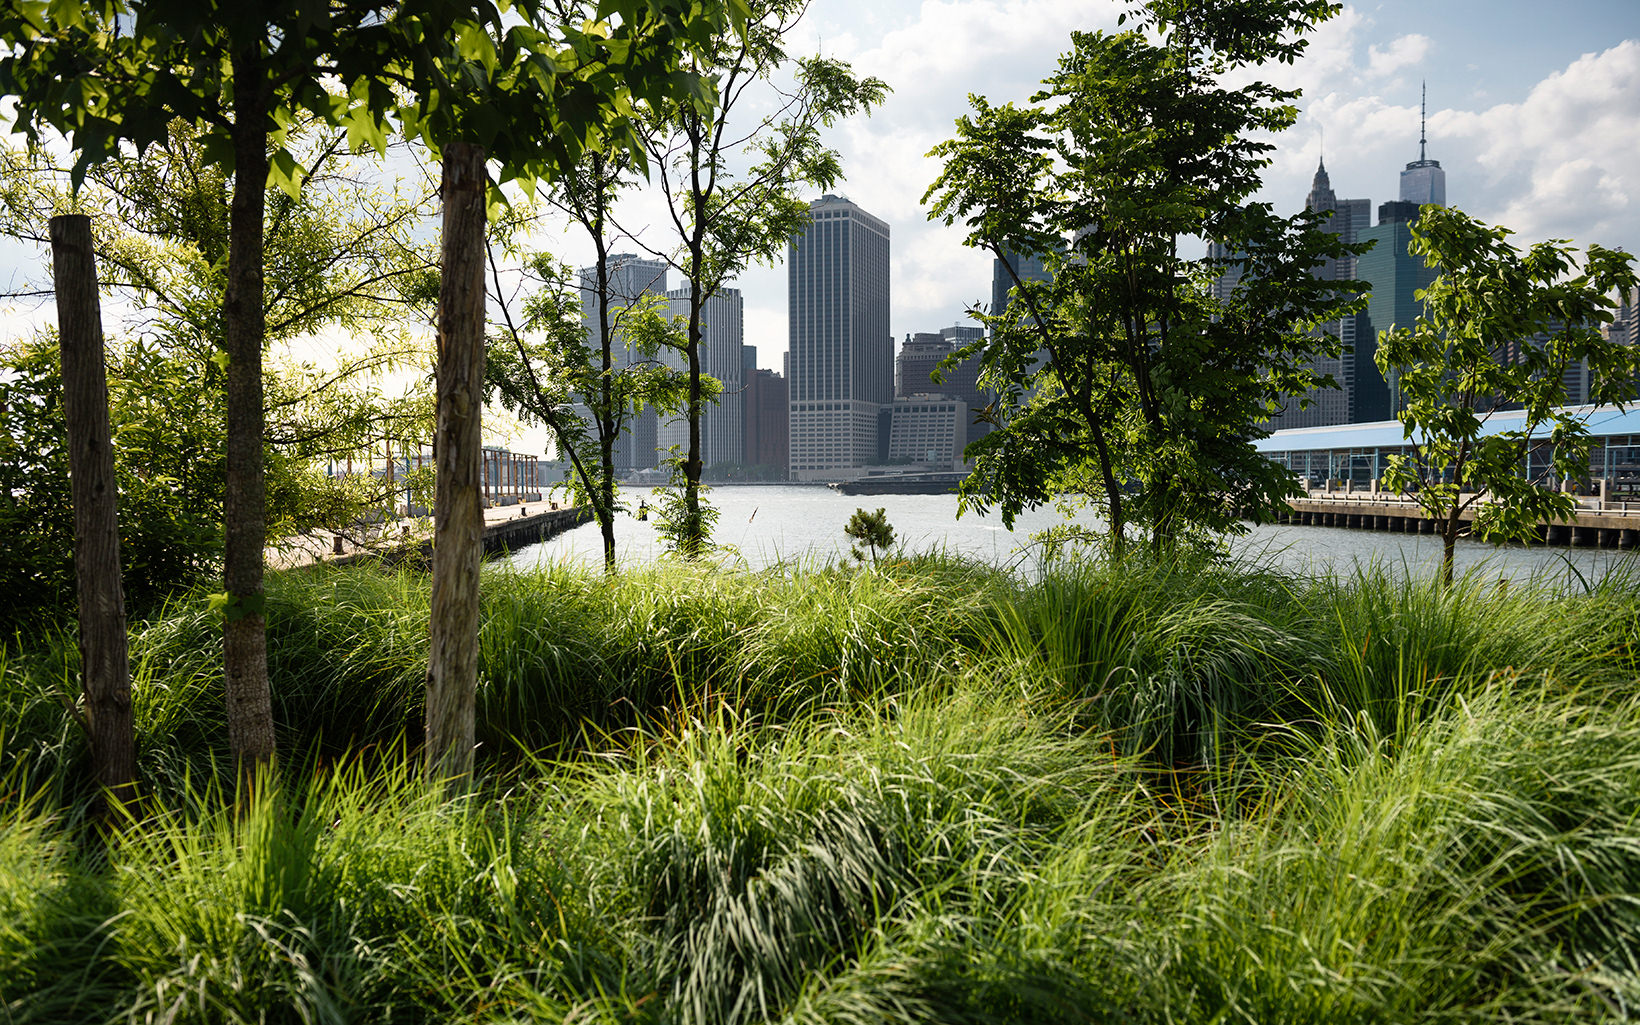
<point>914,367</point>
<point>841,351</point>
<point>722,327</point>
<point>1395,275</point>
<point>631,278</point>
<point>1324,406</point>
<point>1423,181</point>
<point>1028,267</point>
<point>767,421</point>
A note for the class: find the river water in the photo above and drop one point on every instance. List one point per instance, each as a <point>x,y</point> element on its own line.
<point>804,524</point>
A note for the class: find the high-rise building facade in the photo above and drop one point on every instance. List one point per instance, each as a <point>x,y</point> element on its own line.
<point>841,352</point>
<point>722,324</point>
<point>914,367</point>
<point>1028,267</point>
<point>631,278</point>
<point>928,431</point>
<point>767,418</point>
<point>1395,276</point>
<point>1423,181</point>
<point>1319,407</point>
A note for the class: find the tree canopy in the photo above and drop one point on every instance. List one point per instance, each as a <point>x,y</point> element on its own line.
<point>1499,331</point>
<point>1124,377</point>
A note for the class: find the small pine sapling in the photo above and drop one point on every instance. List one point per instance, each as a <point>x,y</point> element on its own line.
<point>871,530</point>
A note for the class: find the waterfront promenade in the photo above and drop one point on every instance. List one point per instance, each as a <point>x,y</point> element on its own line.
<point>506,527</point>
<point>1599,522</point>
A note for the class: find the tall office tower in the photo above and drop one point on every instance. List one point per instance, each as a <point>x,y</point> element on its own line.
<point>1325,406</point>
<point>767,420</point>
<point>1231,269</point>
<point>1323,200</point>
<point>722,325</point>
<point>1395,275</point>
<point>1423,181</point>
<point>914,367</point>
<point>1028,267</point>
<point>842,354</point>
<point>1626,327</point>
<point>630,279</point>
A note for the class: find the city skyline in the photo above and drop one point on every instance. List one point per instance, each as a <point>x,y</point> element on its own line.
<point>1535,116</point>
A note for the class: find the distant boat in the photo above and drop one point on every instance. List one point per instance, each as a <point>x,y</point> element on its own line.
<point>902,484</point>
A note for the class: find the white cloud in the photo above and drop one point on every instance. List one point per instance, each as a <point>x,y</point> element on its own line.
<point>932,59</point>
<point>1406,51</point>
<point>1566,161</point>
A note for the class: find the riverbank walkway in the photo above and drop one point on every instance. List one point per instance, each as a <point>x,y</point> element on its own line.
<point>506,527</point>
<point>1598,523</point>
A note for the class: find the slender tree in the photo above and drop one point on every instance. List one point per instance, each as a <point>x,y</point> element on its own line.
<point>458,518</point>
<point>1499,330</point>
<point>1123,375</point>
<point>723,220</point>
<point>110,74</point>
<point>344,255</point>
<point>105,666</point>
<point>531,90</point>
<point>872,530</point>
<point>543,365</point>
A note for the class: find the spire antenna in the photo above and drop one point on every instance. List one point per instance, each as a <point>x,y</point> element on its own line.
<point>1423,121</point>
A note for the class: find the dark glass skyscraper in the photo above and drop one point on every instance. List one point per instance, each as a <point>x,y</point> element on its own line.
<point>1028,267</point>
<point>842,354</point>
<point>1324,406</point>
<point>1395,275</point>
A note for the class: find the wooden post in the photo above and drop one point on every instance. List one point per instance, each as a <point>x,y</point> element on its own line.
<point>452,672</point>
<point>104,660</point>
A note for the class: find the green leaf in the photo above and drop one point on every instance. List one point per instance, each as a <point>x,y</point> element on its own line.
<point>285,173</point>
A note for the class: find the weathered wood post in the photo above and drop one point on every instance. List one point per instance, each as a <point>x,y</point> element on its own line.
<point>104,660</point>
<point>452,672</point>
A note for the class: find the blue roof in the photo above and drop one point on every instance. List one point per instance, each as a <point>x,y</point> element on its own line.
<point>1602,421</point>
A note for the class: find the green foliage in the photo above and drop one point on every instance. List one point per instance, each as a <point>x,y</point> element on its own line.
<point>336,260</point>
<point>684,518</point>
<point>535,85</point>
<point>1122,377</point>
<point>168,464</point>
<point>1500,329</point>
<point>871,530</point>
<point>1152,792</point>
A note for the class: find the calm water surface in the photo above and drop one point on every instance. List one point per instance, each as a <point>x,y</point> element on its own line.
<point>771,524</point>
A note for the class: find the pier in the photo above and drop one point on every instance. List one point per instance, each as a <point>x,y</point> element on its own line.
<point>506,528</point>
<point>1598,523</point>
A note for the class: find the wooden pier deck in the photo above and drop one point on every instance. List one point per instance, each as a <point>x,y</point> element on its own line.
<point>1598,523</point>
<point>506,527</point>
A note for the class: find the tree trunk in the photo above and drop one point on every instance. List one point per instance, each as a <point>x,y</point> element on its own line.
<point>458,520</point>
<point>1449,545</point>
<point>244,632</point>
<point>608,436</point>
<point>103,657</point>
<point>694,535</point>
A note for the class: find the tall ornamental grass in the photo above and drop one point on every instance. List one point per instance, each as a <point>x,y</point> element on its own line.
<point>926,792</point>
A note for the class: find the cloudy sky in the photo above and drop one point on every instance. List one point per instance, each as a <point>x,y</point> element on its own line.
<point>1534,112</point>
